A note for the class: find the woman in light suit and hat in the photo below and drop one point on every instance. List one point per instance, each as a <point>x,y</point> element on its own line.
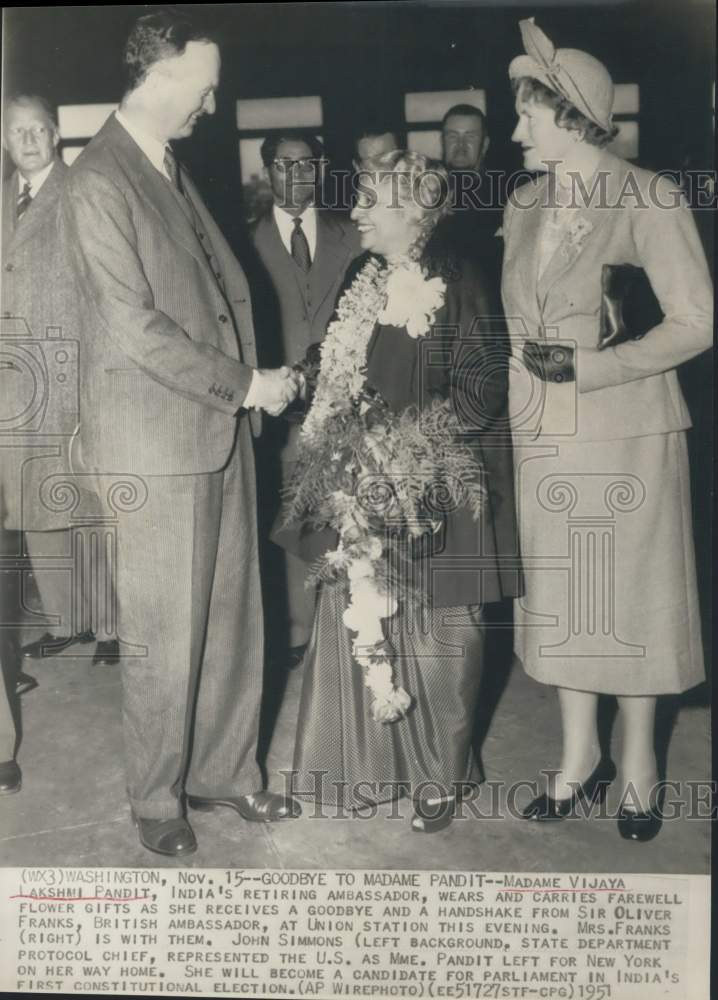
<point>599,434</point>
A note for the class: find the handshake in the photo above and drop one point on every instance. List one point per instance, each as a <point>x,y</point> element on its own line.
<point>273,389</point>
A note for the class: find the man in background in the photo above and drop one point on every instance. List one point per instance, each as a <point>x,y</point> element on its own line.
<point>476,214</point>
<point>169,379</point>
<point>35,290</point>
<point>372,142</point>
<point>305,252</point>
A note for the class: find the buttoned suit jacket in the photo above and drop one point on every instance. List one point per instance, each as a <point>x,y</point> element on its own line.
<point>302,308</point>
<point>631,389</point>
<point>39,308</point>
<point>168,355</point>
<point>294,310</point>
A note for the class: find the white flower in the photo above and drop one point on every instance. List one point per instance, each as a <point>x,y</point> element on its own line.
<point>412,299</point>
<point>375,549</point>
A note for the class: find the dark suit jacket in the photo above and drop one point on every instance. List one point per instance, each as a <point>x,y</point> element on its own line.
<point>42,388</point>
<point>465,359</point>
<point>296,308</point>
<point>292,310</point>
<point>168,355</point>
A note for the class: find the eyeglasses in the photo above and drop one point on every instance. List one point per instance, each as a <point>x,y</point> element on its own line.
<point>35,132</point>
<point>284,165</point>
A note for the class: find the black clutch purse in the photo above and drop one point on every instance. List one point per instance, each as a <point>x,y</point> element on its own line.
<point>629,307</point>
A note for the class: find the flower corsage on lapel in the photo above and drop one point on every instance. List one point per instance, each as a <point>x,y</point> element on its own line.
<point>576,235</point>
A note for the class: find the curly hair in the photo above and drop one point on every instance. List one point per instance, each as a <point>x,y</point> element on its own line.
<point>566,115</point>
<point>157,36</point>
<point>422,185</point>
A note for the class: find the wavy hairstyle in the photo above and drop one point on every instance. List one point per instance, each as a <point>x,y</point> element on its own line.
<point>422,185</point>
<point>566,115</point>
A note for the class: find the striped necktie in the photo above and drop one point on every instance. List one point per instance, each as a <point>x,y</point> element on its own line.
<point>23,201</point>
<point>300,247</point>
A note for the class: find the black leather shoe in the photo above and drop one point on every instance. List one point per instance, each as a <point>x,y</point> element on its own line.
<point>51,645</point>
<point>173,837</point>
<point>259,807</point>
<point>107,652</point>
<point>24,683</point>
<point>10,777</point>
<point>640,826</point>
<point>545,808</point>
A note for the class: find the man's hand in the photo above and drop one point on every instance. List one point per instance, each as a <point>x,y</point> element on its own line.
<point>272,389</point>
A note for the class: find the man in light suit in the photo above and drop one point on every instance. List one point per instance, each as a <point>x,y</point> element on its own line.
<point>305,252</point>
<point>169,378</point>
<point>35,292</point>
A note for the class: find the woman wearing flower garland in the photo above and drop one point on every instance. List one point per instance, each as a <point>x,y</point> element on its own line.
<point>601,467</point>
<point>404,489</point>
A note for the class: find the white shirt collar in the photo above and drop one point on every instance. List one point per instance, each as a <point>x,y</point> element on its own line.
<point>285,225</point>
<point>153,149</point>
<point>36,182</point>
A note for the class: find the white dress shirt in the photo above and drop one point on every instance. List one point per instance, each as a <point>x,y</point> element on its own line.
<point>35,182</point>
<point>154,150</point>
<point>285,225</point>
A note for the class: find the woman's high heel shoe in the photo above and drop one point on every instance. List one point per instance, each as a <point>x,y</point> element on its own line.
<point>545,808</point>
<point>640,826</point>
<point>430,817</point>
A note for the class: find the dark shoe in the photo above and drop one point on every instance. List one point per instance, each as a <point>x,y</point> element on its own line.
<point>640,826</point>
<point>107,652</point>
<point>24,683</point>
<point>545,808</point>
<point>174,837</point>
<point>295,655</point>
<point>432,817</point>
<point>10,777</point>
<point>259,807</point>
<point>51,645</point>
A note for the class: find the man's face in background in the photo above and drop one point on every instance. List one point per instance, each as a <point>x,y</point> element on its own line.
<point>293,175</point>
<point>31,137</point>
<point>464,142</point>
<point>370,146</point>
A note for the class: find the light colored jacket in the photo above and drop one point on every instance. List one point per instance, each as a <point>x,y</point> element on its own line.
<point>167,354</point>
<point>631,389</point>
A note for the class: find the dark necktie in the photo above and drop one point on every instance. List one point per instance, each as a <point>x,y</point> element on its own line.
<point>300,248</point>
<point>23,201</point>
<point>172,169</point>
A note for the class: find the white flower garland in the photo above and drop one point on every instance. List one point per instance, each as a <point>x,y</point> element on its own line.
<point>343,350</point>
<point>401,296</point>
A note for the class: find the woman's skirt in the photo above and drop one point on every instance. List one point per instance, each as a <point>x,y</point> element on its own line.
<point>611,602</point>
<point>342,756</point>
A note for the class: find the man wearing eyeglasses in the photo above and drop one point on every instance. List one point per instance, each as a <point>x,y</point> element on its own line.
<point>304,251</point>
<point>35,291</point>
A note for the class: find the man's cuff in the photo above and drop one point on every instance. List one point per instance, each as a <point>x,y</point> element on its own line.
<point>249,400</point>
